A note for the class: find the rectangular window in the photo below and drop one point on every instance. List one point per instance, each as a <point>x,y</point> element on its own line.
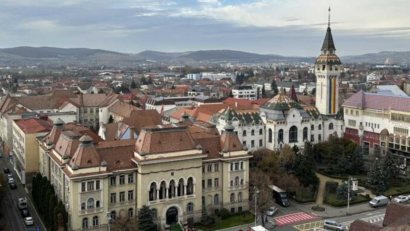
<point>122,179</point>
<point>90,186</point>
<point>85,110</point>
<point>241,165</point>
<point>209,183</point>
<point>209,167</point>
<point>216,182</point>
<point>113,198</point>
<point>122,196</point>
<point>236,166</point>
<point>320,137</point>
<point>244,143</point>
<point>203,168</point>
<point>97,184</point>
<point>216,167</point>
<point>260,143</point>
<point>252,143</point>
<point>203,184</point>
<point>83,187</point>
<point>231,166</point>
<point>130,178</point>
<point>352,123</point>
<point>130,195</point>
<point>357,113</point>
<point>112,180</point>
<point>312,138</point>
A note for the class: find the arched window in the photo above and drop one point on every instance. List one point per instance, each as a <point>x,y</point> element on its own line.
<point>216,199</point>
<point>95,221</point>
<point>85,223</point>
<point>253,132</point>
<point>190,207</point>
<point>261,131</point>
<point>113,215</point>
<point>320,127</point>
<point>232,197</point>
<point>293,134</point>
<point>270,135</point>
<point>305,134</point>
<point>280,136</point>
<point>130,212</point>
<point>154,213</point>
<point>244,133</point>
<point>240,196</point>
<point>331,126</point>
<point>237,180</point>
<point>90,203</point>
<point>82,206</point>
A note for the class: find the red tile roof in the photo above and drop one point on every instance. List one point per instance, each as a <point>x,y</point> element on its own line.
<point>34,125</point>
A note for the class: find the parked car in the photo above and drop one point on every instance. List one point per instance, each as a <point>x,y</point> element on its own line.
<point>11,180</point>
<point>379,201</point>
<point>24,213</point>
<point>6,170</point>
<point>331,224</point>
<point>272,211</point>
<point>28,221</point>
<point>22,203</point>
<point>12,185</point>
<point>401,199</point>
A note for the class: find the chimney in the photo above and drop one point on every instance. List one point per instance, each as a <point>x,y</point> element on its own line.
<point>132,130</point>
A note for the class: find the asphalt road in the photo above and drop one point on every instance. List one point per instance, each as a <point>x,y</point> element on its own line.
<point>10,210</point>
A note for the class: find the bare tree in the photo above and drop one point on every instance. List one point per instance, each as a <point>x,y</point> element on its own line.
<point>287,157</point>
<point>288,182</point>
<point>124,224</point>
<point>264,199</point>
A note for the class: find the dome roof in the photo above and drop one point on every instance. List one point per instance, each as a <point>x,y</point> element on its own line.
<point>104,163</point>
<point>281,102</point>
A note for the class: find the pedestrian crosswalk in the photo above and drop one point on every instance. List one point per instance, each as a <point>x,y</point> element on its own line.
<point>293,218</point>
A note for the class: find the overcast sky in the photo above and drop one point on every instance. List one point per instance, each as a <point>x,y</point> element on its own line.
<point>285,27</point>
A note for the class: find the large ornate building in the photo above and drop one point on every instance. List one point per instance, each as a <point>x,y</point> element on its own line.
<point>174,169</point>
<point>288,122</point>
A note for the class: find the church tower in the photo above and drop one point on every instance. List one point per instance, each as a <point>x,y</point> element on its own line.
<point>327,67</point>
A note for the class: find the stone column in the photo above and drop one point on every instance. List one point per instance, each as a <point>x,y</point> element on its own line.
<point>166,192</point>
<point>157,198</point>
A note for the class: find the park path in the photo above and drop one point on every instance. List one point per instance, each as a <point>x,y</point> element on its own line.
<point>321,191</point>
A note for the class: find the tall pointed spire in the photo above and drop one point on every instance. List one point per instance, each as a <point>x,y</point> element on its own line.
<point>328,21</point>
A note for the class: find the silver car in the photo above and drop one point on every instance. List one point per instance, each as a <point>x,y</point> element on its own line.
<point>28,221</point>
<point>272,211</point>
<point>331,224</point>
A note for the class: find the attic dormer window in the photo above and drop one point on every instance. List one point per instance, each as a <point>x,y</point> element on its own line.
<point>89,162</point>
<point>118,162</point>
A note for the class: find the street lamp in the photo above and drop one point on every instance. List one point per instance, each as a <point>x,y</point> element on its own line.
<point>256,191</point>
<point>108,220</point>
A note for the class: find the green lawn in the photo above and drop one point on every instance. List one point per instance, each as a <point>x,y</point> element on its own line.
<point>176,227</point>
<point>232,221</point>
<point>397,190</point>
<point>332,200</point>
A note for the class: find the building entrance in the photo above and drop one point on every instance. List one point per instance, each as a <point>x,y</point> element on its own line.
<point>172,215</point>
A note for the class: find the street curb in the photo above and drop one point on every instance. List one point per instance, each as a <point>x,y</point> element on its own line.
<point>250,224</point>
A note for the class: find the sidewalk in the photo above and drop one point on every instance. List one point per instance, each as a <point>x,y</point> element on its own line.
<point>334,211</point>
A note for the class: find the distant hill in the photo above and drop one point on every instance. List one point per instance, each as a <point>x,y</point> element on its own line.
<point>53,52</point>
<point>84,56</point>
<point>397,57</point>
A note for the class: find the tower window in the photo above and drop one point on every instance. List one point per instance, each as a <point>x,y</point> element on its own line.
<point>323,67</point>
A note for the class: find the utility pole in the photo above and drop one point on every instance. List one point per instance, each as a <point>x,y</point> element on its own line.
<point>256,191</point>
<point>348,195</point>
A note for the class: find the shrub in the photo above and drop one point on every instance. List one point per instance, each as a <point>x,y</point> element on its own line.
<point>224,213</point>
<point>331,187</point>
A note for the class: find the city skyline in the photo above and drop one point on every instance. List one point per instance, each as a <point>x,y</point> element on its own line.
<point>264,26</point>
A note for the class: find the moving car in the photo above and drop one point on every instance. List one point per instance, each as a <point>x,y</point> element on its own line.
<point>28,221</point>
<point>331,224</point>
<point>401,199</point>
<point>272,211</point>
<point>12,185</point>
<point>280,196</point>
<point>24,213</point>
<point>6,170</point>
<point>379,201</point>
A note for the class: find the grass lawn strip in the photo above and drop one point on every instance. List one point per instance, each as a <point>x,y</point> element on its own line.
<point>232,221</point>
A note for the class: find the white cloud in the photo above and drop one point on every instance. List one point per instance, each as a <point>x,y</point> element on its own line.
<point>209,1</point>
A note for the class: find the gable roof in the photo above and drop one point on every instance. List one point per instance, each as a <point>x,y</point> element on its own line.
<point>34,125</point>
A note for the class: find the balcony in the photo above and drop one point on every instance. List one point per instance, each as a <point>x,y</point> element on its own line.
<point>239,186</point>
<point>91,211</point>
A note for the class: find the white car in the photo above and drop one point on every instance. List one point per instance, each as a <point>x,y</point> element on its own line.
<point>11,180</point>
<point>28,221</point>
<point>272,211</point>
<point>401,199</point>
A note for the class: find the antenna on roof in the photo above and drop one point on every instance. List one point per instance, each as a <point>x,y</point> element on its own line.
<point>328,22</point>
